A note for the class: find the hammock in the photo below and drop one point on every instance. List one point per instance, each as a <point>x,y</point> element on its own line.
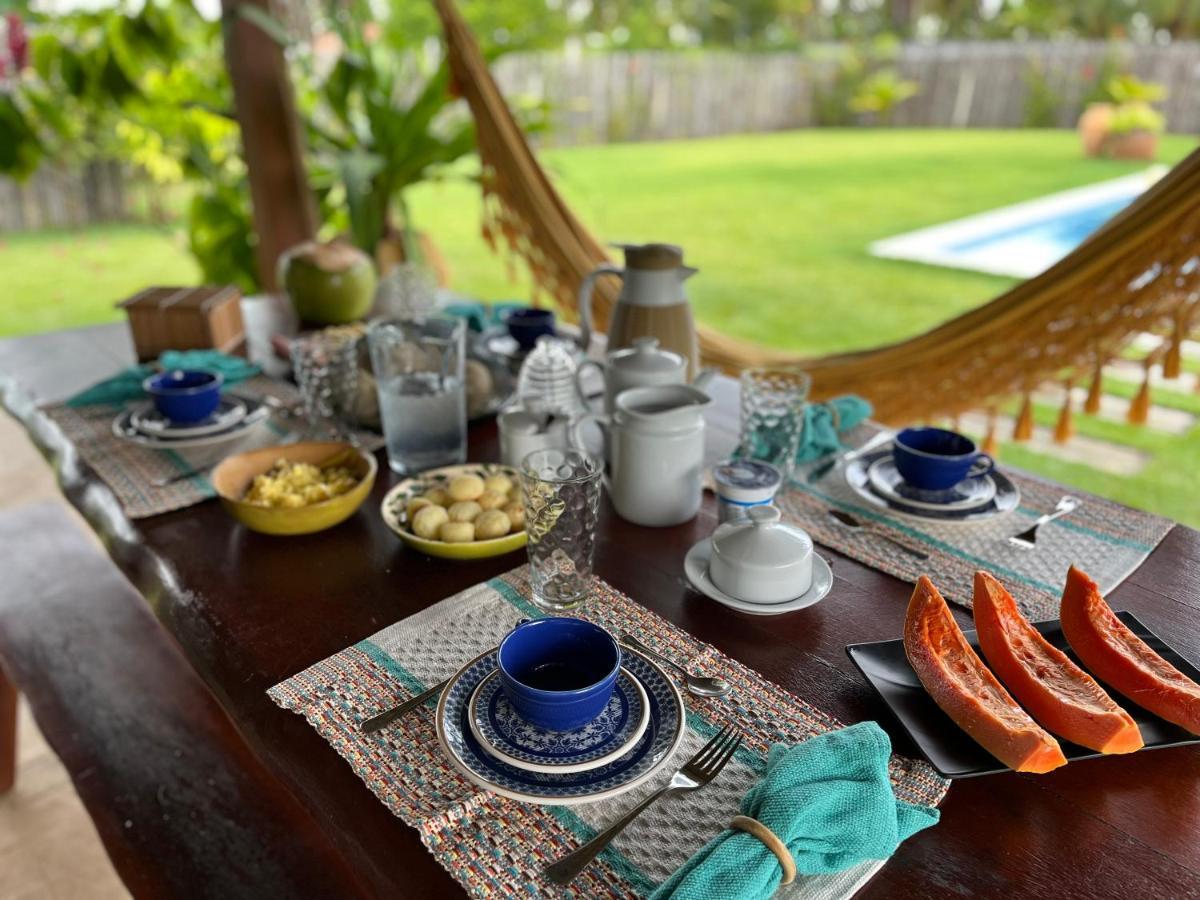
<point>1140,272</point>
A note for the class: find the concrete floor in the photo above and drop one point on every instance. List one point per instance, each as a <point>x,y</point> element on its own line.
<point>48,847</point>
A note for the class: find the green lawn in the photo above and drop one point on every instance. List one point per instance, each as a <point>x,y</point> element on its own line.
<point>778,225</point>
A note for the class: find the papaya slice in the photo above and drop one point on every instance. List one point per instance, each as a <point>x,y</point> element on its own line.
<point>1121,659</point>
<point>1060,696</point>
<point>967,691</point>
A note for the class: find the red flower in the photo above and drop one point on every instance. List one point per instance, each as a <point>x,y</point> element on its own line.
<point>18,42</point>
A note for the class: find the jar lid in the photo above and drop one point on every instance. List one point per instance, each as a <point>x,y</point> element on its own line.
<point>762,543</point>
<point>645,358</point>
<point>746,480</point>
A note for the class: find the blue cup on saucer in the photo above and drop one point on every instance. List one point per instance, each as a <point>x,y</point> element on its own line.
<point>558,673</point>
<point>185,395</point>
<point>934,459</point>
<point>526,324</point>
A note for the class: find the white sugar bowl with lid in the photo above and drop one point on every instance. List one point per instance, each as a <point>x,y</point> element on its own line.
<point>642,365</point>
<point>761,559</point>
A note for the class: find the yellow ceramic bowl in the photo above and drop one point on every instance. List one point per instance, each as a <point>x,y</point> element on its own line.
<point>233,476</point>
<point>395,505</point>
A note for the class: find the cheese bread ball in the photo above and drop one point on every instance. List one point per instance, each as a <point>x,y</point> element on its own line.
<point>437,496</point>
<point>465,487</point>
<point>464,511</point>
<point>491,524</point>
<point>501,484</point>
<point>415,505</point>
<point>516,514</point>
<point>457,532</point>
<point>490,499</point>
<point>428,520</point>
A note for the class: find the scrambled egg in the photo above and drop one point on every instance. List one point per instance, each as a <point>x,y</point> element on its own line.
<point>294,484</point>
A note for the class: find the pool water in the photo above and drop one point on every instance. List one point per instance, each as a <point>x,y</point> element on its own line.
<point>1022,240</point>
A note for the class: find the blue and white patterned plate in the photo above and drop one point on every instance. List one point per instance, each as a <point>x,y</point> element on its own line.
<point>650,752</point>
<point>496,725</point>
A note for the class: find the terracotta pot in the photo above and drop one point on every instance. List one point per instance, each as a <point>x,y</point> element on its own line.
<point>1093,127</point>
<point>390,252</point>
<point>1132,145</point>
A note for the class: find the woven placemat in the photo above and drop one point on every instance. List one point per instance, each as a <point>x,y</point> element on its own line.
<point>496,847</point>
<point>1105,539</point>
<point>130,470</point>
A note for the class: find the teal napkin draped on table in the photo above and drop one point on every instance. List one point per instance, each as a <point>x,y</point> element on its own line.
<point>127,385</point>
<point>824,422</point>
<point>829,800</point>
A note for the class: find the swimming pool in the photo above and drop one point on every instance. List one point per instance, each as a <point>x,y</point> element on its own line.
<point>1022,240</point>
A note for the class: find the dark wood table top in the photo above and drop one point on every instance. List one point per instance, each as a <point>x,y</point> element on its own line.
<point>249,610</point>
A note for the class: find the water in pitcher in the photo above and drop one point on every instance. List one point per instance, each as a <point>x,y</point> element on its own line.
<point>424,420</point>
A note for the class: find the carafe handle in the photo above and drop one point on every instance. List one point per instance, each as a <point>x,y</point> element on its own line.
<point>586,287</point>
<point>576,439</point>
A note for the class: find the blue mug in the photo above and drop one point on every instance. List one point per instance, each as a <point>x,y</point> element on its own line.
<point>558,673</point>
<point>185,395</point>
<point>934,459</point>
<point>526,324</point>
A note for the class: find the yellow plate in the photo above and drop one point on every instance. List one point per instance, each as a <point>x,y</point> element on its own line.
<point>233,476</point>
<point>395,513</point>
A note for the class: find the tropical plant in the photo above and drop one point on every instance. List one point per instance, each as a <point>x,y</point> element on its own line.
<point>1129,118</point>
<point>880,94</point>
<point>1041,100</point>
<point>1128,88</point>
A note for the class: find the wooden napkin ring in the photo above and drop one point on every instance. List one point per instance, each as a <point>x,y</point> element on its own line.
<point>774,844</point>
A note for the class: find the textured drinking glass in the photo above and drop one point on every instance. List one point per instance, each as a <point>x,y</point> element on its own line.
<point>561,492</point>
<point>773,415</point>
<point>418,367</point>
<point>326,370</point>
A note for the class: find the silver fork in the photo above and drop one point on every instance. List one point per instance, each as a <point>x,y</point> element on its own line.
<point>692,775</point>
<point>1027,539</point>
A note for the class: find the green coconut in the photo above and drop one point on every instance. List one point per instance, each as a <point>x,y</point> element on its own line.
<point>329,284</point>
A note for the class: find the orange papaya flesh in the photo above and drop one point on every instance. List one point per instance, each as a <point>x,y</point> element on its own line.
<point>958,681</point>
<point>1060,696</point>
<point>1121,659</point>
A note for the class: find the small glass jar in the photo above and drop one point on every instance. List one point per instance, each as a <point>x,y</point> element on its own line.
<point>743,484</point>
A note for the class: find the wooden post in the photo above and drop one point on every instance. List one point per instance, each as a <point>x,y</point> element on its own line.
<point>284,213</point>
<point>8,733</point>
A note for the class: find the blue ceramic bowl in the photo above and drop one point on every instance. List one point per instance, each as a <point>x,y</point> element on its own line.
<point>185,395</point>
<point>526,325</point>
<point>558,673</point>
<point>934,459</point>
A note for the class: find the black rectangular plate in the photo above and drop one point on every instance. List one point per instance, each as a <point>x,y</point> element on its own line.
<point>949,749</point>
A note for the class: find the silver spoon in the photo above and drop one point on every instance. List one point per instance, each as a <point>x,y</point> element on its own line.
<point>849,521</point>
<point>700,685</point>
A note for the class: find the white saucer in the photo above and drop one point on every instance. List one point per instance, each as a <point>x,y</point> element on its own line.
<point>695,565</point>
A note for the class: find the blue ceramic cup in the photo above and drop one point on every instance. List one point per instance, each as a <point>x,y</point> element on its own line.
<point>526,324</point>
<point>558,673</point>
<point>934,459</point>
<point>185,395</point>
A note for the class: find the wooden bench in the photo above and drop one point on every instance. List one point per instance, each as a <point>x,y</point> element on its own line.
<point>183,807</point>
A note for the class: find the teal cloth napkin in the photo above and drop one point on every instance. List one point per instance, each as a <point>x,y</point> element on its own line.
<point>127,385</point>
<point>824,422</point>
<point>482,316</point>
<point>828,799</point>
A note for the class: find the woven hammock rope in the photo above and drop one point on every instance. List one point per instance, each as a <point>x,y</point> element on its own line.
<point>1138,273</point>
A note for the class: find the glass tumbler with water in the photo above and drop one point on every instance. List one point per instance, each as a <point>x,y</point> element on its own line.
<point>418,367</point>
<point>561,493</point>
<point>773,402</point>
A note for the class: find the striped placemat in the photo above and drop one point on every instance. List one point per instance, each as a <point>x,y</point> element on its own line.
<point>1104,538</point>
<point>495,847</point>
<point>130,470</point>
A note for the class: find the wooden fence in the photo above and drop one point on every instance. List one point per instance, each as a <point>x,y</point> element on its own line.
<point>598,98</point>
<point>56,197</point>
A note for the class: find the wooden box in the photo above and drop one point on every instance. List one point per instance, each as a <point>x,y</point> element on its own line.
<point>178,318</point>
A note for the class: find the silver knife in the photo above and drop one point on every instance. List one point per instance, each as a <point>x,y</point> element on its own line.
<point>876,441</point>
<point>388,716</point>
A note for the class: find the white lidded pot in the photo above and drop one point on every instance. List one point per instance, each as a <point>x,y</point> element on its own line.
<point>642,365</point>
<point>761,560</point>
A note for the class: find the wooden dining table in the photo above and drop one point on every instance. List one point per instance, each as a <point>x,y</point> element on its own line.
<point>249,610</point>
